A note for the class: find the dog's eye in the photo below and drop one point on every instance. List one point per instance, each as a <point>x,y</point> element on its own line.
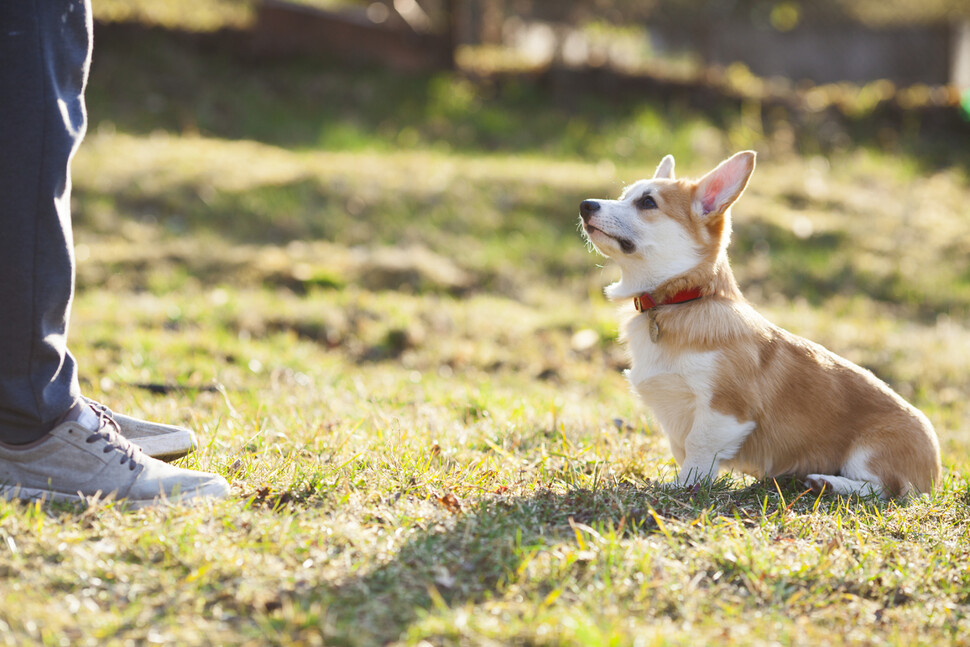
<point>646,201</point>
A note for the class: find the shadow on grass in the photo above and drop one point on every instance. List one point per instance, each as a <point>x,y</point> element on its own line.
<point>475,558</point>
<point>145,79</point>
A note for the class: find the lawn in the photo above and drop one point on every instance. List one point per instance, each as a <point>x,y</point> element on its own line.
<point>369,296</point>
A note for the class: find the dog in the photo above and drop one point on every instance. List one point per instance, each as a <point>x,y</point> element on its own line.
<point>727,387</point>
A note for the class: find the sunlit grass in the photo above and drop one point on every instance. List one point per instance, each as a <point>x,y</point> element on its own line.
<point>179,14</point>
<point>418,459</point>
<point>398,353</point>
<point>195,16</point>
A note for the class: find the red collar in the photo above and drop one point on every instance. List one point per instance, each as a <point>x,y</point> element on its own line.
<point>644,302</point>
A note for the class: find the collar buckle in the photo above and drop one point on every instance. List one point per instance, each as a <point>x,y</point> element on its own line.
<point>643,302</point>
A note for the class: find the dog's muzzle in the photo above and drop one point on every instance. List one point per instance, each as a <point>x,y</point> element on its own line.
<point>586,210</point>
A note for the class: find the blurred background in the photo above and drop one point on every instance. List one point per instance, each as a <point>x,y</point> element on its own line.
<point>825,66</point>
<point>303,191</point>
<point>340,241</point>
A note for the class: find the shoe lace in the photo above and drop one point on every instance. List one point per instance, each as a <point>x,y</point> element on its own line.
<point>110,432</point>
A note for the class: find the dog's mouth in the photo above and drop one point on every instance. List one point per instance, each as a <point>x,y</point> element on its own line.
<point>626,245</point>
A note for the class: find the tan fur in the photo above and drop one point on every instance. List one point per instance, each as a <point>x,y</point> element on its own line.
<point>813,412</point>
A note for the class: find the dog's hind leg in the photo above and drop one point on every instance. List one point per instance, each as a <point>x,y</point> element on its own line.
<point>855,477</point>
<point>843,485</point>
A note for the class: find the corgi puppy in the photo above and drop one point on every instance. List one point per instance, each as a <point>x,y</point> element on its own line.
<point>728,388</point>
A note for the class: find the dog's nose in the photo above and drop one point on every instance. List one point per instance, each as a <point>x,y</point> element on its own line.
<point>587,208</point>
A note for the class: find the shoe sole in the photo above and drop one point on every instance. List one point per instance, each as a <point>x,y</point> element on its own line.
<point>215,490</point>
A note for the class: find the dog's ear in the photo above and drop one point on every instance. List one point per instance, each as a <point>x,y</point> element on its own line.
<point>665,170</point>
<point>718,190</point>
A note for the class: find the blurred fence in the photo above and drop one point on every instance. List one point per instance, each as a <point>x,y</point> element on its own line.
<point>823,41</point>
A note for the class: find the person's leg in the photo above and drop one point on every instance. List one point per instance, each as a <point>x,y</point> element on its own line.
<point>53,443</point>
<point>45,52</point>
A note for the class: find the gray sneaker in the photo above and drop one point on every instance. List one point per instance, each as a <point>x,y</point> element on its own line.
<point>164,442</point>
<point>72,462</point>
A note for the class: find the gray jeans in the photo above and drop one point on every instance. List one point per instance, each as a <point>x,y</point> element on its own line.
<point>45,53</point>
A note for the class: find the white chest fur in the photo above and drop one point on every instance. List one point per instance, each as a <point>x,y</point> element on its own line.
<point>649,359</point>
<point>678,386</point>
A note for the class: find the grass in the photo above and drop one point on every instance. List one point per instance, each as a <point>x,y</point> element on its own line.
<point>369,297</point>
